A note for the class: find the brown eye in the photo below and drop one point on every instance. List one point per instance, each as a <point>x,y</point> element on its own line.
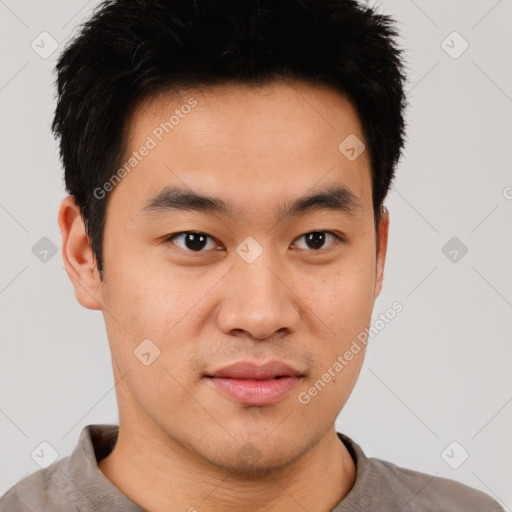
<point>191,241</point>
<point>316,240</point>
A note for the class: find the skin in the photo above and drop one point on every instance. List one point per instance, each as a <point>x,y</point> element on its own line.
<point>180,438</point>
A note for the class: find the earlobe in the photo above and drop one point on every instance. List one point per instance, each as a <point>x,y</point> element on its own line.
<point>77,255</point>
<point>381,250</point>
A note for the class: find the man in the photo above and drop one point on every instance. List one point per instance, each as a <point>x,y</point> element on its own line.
<point>227,163</point>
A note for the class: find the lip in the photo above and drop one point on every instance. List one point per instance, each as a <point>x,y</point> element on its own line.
<point>252,384</point>
<point>250,370</point>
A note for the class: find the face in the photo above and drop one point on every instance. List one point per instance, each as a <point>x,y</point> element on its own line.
<point>256,276</point>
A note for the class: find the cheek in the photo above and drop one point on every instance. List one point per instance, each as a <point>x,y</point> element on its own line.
<point>140,295</point>
<point>344,298</point>
<point>327,390</point>
<point>344,302</point>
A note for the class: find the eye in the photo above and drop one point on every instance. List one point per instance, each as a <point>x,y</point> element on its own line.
<point>316,239</point>
<point>192,241</point>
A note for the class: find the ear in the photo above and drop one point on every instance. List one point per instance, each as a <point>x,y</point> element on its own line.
<point>77,255</point>
<point>381,250</point>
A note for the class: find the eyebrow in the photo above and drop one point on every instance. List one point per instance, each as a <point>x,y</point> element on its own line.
<point>334,198</point>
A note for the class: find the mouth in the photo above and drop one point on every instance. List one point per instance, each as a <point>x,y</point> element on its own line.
<point>247,370</point>
<point>257,385</point>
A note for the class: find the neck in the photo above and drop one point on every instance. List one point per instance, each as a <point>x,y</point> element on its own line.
<point>179,480</point>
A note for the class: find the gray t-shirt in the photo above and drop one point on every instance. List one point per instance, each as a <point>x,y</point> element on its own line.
<point>75,483</point>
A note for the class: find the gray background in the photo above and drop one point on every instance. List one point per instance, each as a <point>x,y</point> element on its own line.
<point>439,372</point>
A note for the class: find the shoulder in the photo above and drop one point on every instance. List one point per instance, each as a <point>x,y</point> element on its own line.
<point>386,487</point>
<point>41,491</point>
<point>75,479</point>
<point>422,491</point>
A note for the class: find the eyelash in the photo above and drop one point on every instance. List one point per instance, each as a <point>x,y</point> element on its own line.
<point>338,239</point>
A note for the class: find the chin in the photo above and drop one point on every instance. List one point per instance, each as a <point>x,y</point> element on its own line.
<point>255,459</point>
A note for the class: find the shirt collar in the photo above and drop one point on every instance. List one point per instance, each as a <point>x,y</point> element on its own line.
<point>97,441</point>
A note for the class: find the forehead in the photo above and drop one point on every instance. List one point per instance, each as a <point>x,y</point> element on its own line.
<point>241,110</point>
<point>245,143</point>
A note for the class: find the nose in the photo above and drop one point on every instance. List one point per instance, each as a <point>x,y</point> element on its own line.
<point>257,301</point>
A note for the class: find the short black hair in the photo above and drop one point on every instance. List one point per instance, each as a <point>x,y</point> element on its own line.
<point>130,50</point>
